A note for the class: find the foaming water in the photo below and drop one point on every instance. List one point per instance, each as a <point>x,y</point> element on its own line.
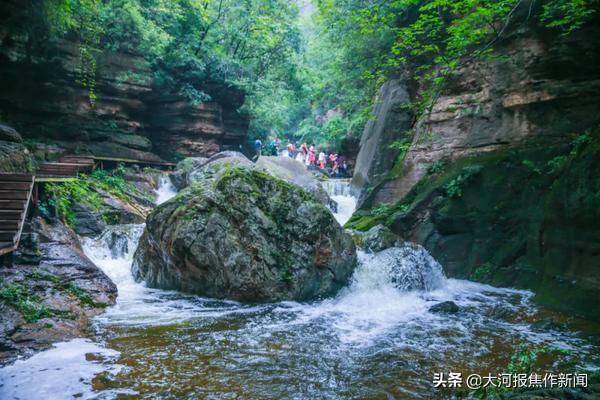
<point>165,190</point>
<point>136,304</point>
<point>339,190</point>
<point>375,339</point>
<point>337,187</point>
<point>65,371</point>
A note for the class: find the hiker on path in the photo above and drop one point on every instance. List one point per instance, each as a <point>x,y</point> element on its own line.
<point>291,148</point>
<point>322,160</point>
<point>257,148</point>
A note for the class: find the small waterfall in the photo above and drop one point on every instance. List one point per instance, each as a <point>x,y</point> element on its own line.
<point>165,190</point>
<point>113,252</point>
<point>337,187</point>
<point>340,192</point>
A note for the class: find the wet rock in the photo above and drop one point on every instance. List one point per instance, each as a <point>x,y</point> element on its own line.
<point>9,134</point>
<point>293,171</point>
<point>448,307</point>
<point>180,177</point>
<point>87,222</point>
<point>91,220</point>
<point>379,238</point>
<point>410,267</point>
<point>62,290</point>
<point>243,234</point>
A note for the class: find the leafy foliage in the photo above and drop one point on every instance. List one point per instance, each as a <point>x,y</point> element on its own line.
<point>455,187</point>
<point>436,168</point>
<point>61,197</point>
<point>26,303</point>
<point>296,68</point>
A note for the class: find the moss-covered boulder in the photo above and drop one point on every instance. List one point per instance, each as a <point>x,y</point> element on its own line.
<point>243,234</point>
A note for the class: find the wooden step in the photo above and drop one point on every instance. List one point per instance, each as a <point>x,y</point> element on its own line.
<point>8,236</point>
<point>57,169</point>
<point>77,160</point>
<point>11,215</point>
<point>12,204</point>
<point>6,225</point>
<point>59,164</point>
<point>14,195</point>
<point>15,185</point>
<point>16,177</point>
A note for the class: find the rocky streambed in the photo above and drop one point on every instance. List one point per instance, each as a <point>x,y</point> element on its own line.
<point>396,322</point>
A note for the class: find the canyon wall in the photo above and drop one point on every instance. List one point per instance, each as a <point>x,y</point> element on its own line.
<point>133,117</point>
<point>500,180</point>
<point>539,84</point>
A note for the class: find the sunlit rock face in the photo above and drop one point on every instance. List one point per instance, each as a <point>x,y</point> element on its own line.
<point>242,234</point>
<point>542,85</point>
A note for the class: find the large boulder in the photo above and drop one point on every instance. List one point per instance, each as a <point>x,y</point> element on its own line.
<point>245,235</point>
<point>293,171</point>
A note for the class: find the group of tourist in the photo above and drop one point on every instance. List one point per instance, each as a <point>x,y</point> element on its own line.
<point>332,163</point>
<point>335,164</point>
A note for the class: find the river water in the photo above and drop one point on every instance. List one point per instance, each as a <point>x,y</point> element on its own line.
<point>375,340</point>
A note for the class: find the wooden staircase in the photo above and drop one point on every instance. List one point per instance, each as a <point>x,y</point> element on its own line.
<point>15,193</point>
<point>66,167</point>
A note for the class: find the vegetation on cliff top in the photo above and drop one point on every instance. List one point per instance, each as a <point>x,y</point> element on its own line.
<point>59,198</point>
<point>310,72</point>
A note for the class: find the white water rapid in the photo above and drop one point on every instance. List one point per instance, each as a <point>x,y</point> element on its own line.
<point>339,190</point>
<point>165,190</point>
<point>375,339</point>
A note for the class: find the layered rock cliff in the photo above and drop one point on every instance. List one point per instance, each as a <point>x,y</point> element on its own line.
<point>133,117</point>
<point>540,84</point>
<point>498,181</point>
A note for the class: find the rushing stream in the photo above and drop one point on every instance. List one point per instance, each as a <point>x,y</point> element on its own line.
<point>165,190</point>
<point>339,191</point>
<point>375,340</point>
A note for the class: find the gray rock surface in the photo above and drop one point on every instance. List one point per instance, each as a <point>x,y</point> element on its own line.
<point>293,171</point>
<point>392,120</point>
<point>379,238</point>
<point>448,307</point>
<point>180,178</point>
